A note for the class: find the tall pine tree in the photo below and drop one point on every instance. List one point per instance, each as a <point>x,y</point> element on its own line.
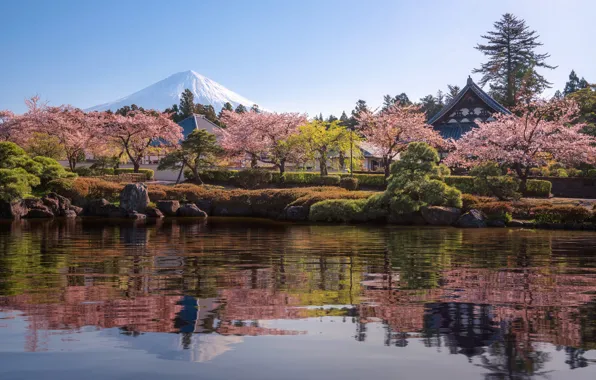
<point>574,84</point>
<point>510,49</point>
<point>227,107</point>
<point>187,104</point>
<point>240,109</point>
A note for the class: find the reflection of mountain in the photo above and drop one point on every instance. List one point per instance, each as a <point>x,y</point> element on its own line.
<point>492,297</point>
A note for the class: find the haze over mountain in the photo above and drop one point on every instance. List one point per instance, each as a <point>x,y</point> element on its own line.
<point>166,92</point>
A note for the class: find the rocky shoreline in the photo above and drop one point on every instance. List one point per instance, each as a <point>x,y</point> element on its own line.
<point>135,205</point>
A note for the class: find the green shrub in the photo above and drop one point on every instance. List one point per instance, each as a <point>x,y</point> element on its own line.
<point>50,170</point>
<point>215,175</point>
<point>573,172</point>
<point>338,210</point>
<point>538,188</point>
<point>486,169</point>
<point>463,183</point>
<point>503,187</point>
<point>496,210</point>
<point>591,173</point>
<point>535,172</point>
<point>561,214</point>
<point>349,183</point>
<point>555,166</point>
<point>376,181</point>
<point>544,172</point>
<point>253,178</point>
<point>16,183</point>
<point>84,171</point>
<point>559,173</point>
<point>150,174</point>
<point>298,178</point>
<point>329,180</point>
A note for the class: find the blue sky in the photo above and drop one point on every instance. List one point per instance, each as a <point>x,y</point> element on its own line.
<point>287,55</point>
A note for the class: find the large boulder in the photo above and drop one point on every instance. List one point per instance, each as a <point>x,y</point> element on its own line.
<point>37,209</point>
<point>134,197</point>
<point>168,208</point>
<point>12,210</point>
<point>232,207</point>
<point>472,219</point>
<point>103,208</point>
<point>205,205</point>
<point>440,216</point>
<point>191,210</point>
<point>57,203</point>
<point>296,213</point>
<point>153,212</point>
<point>406,219</point>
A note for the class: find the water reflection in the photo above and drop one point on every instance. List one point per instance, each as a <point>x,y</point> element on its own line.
<point>510,301</point>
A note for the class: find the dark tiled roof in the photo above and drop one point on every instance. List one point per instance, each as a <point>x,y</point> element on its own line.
<point>454,130</point>
<point>470,86</point>
<point>191,123</point>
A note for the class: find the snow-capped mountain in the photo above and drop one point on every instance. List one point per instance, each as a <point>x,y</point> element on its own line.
<point>165,93</point>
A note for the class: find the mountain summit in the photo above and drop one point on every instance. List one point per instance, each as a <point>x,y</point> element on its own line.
<point>165,93</point>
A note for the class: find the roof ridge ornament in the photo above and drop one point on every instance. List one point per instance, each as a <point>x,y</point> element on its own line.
<point>470,81</point>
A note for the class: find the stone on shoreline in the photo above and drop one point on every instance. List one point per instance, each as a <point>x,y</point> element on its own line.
<point>191,210</point>
<point>439,215</point>
<point>296,213</point>
<point>12,210</point>
<point>153,212</point>
<point>168,208</point>
<point>471,219</point>
<point>134,197</point>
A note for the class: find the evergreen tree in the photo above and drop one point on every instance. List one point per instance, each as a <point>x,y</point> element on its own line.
<point>343,119</point>
<point>574,84</point>
<point>187,104</point>
<point>510,49</point>
<point>452,92</point>
<point>401,99</point>
<point>360,107</point>
<point>240,109</point>
<point>331,119</point>
<point>255,108</point>
<point>430,105</point>
<point>226,107</point>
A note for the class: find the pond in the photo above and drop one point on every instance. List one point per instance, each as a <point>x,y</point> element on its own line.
<point>250,299</point>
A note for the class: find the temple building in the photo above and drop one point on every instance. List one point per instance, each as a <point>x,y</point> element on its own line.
<point>460,115</point>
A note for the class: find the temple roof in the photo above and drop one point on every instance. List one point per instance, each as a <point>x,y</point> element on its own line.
<point>454,131</point>
<point>470,86</point>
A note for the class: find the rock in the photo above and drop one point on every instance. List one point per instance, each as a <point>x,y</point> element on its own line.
<point>529,224</point>
<point>471,219</point>
<point>37,209</point>
<point>232,208</point>
<point>103,208</point>
<point>439,215</point>
<point>153,212</point>
<point>406,219</point>
<point>12,210</point>
<point>57,203</point>
<point>134,197</point>
<point>135,215</point>
<point>205,205</point>
<point>296,213</point>
<point>168,208</point>
<point>77,210</point>
<point>516,223</point>
<point>496,223</point>
<point>70,214</point>
<point>191,210</point>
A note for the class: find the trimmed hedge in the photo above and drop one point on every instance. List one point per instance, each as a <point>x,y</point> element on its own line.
<point>561,214</point>
<point>463,183</point>
<point>148,172</point>
<point>349,183</point>
<point>376,181</point>
<point>538,188</point>
<point>338,210</point>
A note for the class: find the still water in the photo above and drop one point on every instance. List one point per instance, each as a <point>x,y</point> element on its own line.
<point>248,299</point>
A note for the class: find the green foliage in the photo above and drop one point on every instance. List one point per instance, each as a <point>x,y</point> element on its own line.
<point>561,214</point>
<point>496,210</point>
<point>412,184</point>
<point>538,188</point>
<point>16,183</point>
<point>253,178</point>
<point>562,173</point>
<point>444,170</point>
<point>535,172</point>
<point>149,173</point>
<point>463,183</point>
<point>369,180</point>
<point>329,180</point>
<point>338,210</point>
<point>486,169</point>
<point>502,187</point>
<point>591,173</point>
<point>50,170</point>
<point>45,145</point>
<point>573,172</point>
<point>586,100</point>
<point>349,183</point>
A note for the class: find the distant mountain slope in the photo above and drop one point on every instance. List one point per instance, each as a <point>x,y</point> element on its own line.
<point>165,93</point>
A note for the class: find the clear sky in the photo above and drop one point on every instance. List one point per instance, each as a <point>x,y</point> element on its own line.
<point>287,55</point>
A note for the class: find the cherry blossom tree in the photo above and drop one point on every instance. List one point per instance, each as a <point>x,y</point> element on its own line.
<point>262,135</point>
<point>7,126</point>
<point>392,129</point>
<point>139,130</point>
<point>534,134</point>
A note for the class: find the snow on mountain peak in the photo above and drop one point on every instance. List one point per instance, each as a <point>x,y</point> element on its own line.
<point>167,92</point>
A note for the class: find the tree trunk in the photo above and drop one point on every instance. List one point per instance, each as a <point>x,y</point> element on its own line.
<point>323,164</point>
<point>72,163</point>
<point>136,166</point>
<point>282,170</point>
<point>254,162</point>
<point>387,167</point>
<point>179,174</point>
<point>342,161</point>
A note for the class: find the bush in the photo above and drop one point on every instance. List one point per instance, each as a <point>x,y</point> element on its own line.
<point>496,210</point>
<point>16,183</point>
<point>559,173</point>
<point>463,183</point>
<point>329,180</point>
<point>502,187</point>
<point>338,210</point>
<point>573,172</point>
<point>150,174</point>
<point>299,178</point>
<point>84,171</point>
<point>50,170</point>
<point>444,170</point>
<point>470,201</point>
<point>591,173</point>
<point>556,166</point>
<point>86,188</point>
<point>376,181</point>
<point>487,169</point>
<point>538,188</point>
<point>536,172</point>
<point>253,178</point>
<point>348,183</point>
<point>561,214</point>
<point>214,175</point>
